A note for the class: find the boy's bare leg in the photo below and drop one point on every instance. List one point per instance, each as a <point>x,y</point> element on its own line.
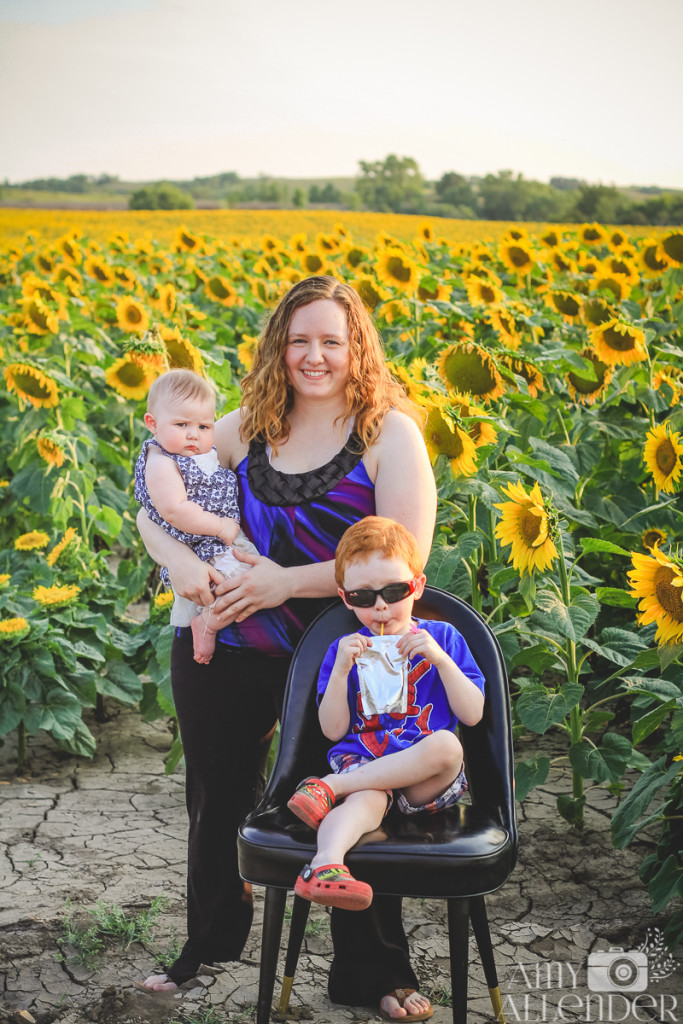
<point>346,823</point>
<point>422,771</point>
<point>203,637</point>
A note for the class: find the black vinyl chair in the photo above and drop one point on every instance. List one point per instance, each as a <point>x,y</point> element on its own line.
<point>458,855</point>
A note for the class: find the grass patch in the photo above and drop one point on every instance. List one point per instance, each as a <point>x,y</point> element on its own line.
<point>110,925</point>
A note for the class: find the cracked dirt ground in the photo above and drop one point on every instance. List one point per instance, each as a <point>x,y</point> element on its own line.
<point>113,829</point>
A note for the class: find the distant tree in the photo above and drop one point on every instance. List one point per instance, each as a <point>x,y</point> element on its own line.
<point>566,184</point>
<point>394,185</point>
<point>314,194</point>
<point>598,202</point>
<point>162,196</point>
<point>298,198</point>
<point>455,190</point>
<point>502,196</point>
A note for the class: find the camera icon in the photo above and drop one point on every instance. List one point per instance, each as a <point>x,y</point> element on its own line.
<point>615,970</point>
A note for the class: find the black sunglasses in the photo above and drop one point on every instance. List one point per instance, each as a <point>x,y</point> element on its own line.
<point>392,593</point>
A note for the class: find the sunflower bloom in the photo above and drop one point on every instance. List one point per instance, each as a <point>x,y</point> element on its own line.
<point>50,451</point>
<point>662,457</point>
<point>186,241</point>
<point>586,391</point>
<point>31,385</point>
<point>657,582</point>
<point>653,538</point>
<point>469,369</point>
<point>505,325</point>
<point>148,352</point>
<point>525,524</point>
<point>483,292</point>
<point>13,627</point>
<point>670,376</point>
<point>163,600</point>
<point>396,269</point>
<point>165,299</point>
<point>246,350</point>
<point>55,595</point>
<point>617,284</point>
<point>131,316</point>
<point>595,311</point>
<point>528,372</point>
<point>517,257</point>
<point>313,263</point>
<point>38,317</point>
<point>99,270</point>
<point>566,303</point>
<point>619,343</point>
<point>593,234</point>
<point>481,431</point>
<point>672,244</point>
<point>33,541</point>
<point>181,354</point>
<point>370,291</point>
<point>444,437</point>
<point>5,577</point>
<point>129,379</point>
<point>218,289</point>
<point>413,388</point>
<point>53,556</point>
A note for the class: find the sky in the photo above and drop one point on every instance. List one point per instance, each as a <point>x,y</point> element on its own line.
<point>151,89</point>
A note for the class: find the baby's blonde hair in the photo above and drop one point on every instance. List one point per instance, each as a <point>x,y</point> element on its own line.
<point>376,534</point>
<point>179,386</point>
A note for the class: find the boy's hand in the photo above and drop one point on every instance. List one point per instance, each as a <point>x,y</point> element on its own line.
<point>421,642</point>
<point>350,648</point>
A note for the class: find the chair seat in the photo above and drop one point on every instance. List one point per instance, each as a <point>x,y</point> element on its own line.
<point>469,852</point>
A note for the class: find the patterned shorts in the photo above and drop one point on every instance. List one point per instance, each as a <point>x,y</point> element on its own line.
<point>347,762</point>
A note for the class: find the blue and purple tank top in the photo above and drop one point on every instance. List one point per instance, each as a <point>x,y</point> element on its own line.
<point>296,519</point>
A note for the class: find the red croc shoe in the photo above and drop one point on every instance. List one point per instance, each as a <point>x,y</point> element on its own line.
<point>312,801</point>
<point>333,886</point>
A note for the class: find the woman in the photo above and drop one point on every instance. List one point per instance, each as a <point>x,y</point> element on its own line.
<point>323,437</point>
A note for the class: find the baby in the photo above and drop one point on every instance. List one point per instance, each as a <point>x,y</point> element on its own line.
<point>403,747</point>
<point>183,488</point>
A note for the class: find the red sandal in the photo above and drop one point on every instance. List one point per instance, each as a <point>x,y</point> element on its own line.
<point>333,886</point>
<point>312,801</point>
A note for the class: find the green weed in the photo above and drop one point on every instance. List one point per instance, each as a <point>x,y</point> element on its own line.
<point>110,924</point>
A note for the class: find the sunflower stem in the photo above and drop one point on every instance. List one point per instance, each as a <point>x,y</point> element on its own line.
<point>576,715</point>
<point>474,560</point>
<point>21,745</point>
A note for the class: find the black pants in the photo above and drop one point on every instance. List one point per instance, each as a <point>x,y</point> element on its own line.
<point>225,709</point>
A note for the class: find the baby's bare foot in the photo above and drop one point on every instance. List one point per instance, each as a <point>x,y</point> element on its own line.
<point>204,640</point>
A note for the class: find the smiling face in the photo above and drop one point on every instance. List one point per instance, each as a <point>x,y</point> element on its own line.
<point>184,427</point>
<point>373,573</point>
<point>317,352</point>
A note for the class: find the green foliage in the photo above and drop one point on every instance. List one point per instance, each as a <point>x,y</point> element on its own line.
<point>391,185</point>
<point>110,924</point>
<point>162,196</point>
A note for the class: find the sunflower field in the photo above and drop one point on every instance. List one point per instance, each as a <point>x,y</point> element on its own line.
<point>549,366</point>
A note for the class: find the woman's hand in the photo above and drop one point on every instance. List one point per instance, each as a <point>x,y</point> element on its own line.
<point>195,580</point>
<point>265,585</point>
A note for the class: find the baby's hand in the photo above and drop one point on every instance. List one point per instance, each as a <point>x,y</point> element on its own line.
<point>350,648</point>
<point>228,530</point>
<point>421,642</point>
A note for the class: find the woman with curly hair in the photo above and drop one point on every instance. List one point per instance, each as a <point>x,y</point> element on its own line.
<point>323,437</point>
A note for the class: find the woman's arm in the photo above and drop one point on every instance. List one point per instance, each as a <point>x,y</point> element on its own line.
<point>190,577</point>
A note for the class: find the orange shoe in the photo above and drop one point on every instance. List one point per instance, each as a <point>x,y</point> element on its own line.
<point>333,886</point>
<point>312,801</point>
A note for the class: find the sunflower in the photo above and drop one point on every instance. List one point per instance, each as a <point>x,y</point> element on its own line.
<point>528,372</point>
<point>619,343</point>
<point>617,240</point>
<point>566,303</point>
<point>560,261</point>
<point>595,311</point>
<point>31,385</point>
<point>396,269</point>
<point>354,255</point>
<point>13,627</point>
<point>33,541</point>
<point>218,289</point>
<point>131,316</point>
<point>164,299</point>
<point>50,451</point>
<point>54,595</point>
<point>670,376</point>
<point>370,291</point>
<point>662,457</point>
<point>505,325</point>
<point>653,537</point>
<point>70,277</point>
<point>551,238</point>
<point>297,242</point>
<point>481,431</point>
<point>129,379</point>
<point>516,256</point>
<point>99,270</point>
<point>397,309</point>
<point>586,391</point>
<point>5,577</point>
<point>246,350</point>
<point>185,241</point>
<point>181,354</point>
<point>657,582</point>
<point>652,258</point>
<point>163,600</point>
<point>672,244</point>
<point>425,231</point>
<point>44,261</point>
<point>526,524</point>
<point>430,290</point>
<point>148,352</point>
<point>327,244</point>
<point>483,292</point>
<point>444,437</point>
<point>67,246</point>
<point>313,263</point>
<point>413,388</point>
<point>587,263</point>
<point>68,538</point>
<point>593,234</point>
<point>269,243</point>
<point>468,368</point>
<point>619,264</point>
<point>38,317</point>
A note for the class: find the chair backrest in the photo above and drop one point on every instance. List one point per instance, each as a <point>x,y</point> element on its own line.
<point>488,745</point>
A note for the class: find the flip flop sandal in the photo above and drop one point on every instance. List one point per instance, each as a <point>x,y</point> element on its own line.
<point>401,994</point>
<point>312,801</point>
<point>333,886</point>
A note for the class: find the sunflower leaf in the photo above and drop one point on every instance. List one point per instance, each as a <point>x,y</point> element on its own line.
<point>539,709</point>
<point>628,819</point>
<point>597,544</point>
<point>668,653</point>
<point>573,621</point>
<point>617,645</point>
<point>605,763</point>
<point>647,723</point>
<point>557,459</point>
<point>529,774</point>
<point>615,598</point>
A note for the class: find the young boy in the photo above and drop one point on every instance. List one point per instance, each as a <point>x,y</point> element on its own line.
<point>413,756</point>
<point>184,489</point>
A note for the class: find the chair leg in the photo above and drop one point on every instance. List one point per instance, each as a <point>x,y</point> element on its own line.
<point>297,928</point>
<point>273,914</point>
<point>458,941</point>
<point>482,934</point>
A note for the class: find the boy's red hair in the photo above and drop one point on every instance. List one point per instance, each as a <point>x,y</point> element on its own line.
<point>376,534</point>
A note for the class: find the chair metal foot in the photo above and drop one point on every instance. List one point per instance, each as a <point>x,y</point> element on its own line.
<point>497,1004</point>
<point>286,993</point>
